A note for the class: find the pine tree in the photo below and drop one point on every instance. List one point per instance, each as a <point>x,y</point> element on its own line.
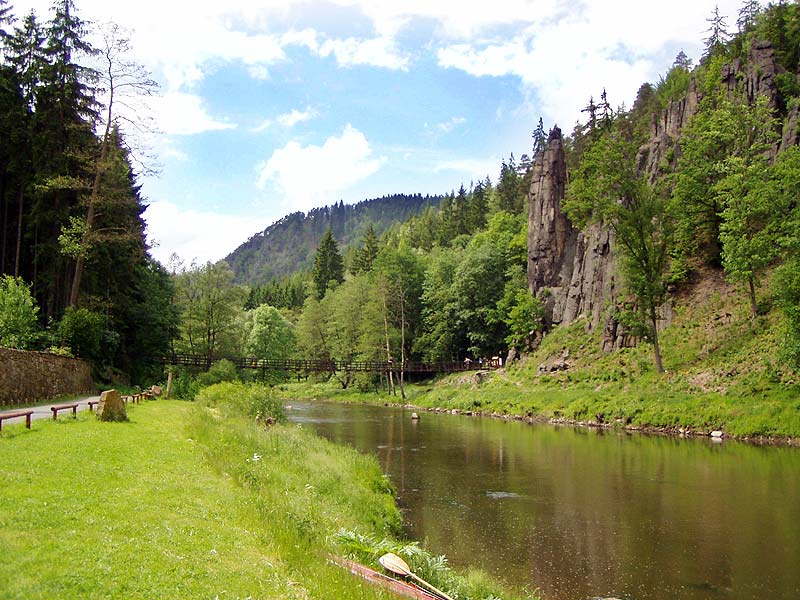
<point>121,79</point>
<point>328,264</point>
<point>718,34</point>
<point>539,139</point>
<point>747,15</point>
<point>366,253</point>
<point>6,18</point>
<point>682,61</point>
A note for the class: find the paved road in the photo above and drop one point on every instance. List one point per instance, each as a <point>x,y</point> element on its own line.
<point>43,410</point>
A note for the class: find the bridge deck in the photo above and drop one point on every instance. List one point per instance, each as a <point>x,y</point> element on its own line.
<point>328,366</point>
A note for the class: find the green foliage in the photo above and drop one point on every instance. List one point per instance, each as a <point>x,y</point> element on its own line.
<point>83,331</point>
<point>60,351</point>
<point>523,313</point>
<point>210,306</point>
<point>288,246</point>
<point>328,265</point>
<point>787,292</point>
<point>247,512</point>
<point>674,86</point>
<point>221,371</point>
<point>272,336</point>
<point>607,188</point>
<point>240,399</point>
<point>366,254</point>
<point>367,549</point>
<point>72,236</point>
<point>289,293</point>
<point>19,326</point>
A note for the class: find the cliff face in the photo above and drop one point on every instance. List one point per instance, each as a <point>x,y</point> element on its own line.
<point>573,271</point>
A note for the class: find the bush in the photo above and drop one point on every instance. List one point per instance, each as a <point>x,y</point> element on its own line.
<point>83,331</point>
<point>222,370</point>
<point>19,327</point>
<point>239,399</point>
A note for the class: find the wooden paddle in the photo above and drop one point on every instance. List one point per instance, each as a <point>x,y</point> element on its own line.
<point>395,564</point>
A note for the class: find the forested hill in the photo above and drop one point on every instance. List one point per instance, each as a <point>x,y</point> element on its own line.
<point>288,245</point>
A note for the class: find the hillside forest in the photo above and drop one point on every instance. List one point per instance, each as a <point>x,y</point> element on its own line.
<point>403,277</point>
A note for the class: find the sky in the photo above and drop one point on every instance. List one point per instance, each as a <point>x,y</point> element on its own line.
<point>270,107</point>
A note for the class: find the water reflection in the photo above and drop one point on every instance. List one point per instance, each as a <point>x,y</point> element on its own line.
<point>582,513</point>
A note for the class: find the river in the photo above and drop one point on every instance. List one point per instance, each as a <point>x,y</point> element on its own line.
<point>583,513</point>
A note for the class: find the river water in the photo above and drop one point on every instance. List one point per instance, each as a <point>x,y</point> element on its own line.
<point>582,513</point>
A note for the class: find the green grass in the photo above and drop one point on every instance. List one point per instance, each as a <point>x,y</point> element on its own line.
<point>137,510</point>
<point>724,371</point>
<point>186,500</point>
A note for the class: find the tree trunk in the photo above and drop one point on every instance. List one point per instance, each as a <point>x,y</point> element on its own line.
<point>656,347</point>
<point>5,222</point>
<point>390,374</point>
<point>753,303</point>
<point>90,212</point>
<point>402,346</point>
<point>21,198</point>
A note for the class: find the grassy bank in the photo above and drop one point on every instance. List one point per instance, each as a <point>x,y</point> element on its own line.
<point>724,372</point>
<point>184,501</point>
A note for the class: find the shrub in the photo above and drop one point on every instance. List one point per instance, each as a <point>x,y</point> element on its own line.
<point>239,399</point>
<point>19,326</point>
<point>222,370</point>
<point>83,331</point>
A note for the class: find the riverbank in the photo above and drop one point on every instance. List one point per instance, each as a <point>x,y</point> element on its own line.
<point>187,500</point>
<point>723,374</point>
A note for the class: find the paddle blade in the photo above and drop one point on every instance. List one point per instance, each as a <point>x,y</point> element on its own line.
<point>395,564</point>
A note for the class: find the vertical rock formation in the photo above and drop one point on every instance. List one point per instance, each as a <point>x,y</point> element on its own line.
<point>570,270</point>
<point>551,237</point>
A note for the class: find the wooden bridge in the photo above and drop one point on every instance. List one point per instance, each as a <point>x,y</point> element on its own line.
<point>203,361</point>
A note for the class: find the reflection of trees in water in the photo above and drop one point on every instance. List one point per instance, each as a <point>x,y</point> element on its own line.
<point>597,513</point>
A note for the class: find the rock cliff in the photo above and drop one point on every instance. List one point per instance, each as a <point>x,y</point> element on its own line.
<point>573,271</point>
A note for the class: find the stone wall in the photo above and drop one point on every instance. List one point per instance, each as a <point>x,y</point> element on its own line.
<point>29,376</point>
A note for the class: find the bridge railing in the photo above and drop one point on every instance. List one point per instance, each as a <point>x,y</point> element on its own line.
<point>329,366</point>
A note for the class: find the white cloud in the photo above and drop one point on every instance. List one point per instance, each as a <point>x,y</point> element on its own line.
<point>376,52</point>
<point>265,124</point>
<point>287,120</point>
<point>178,113</point>
<point>193,234</point>
<point>336,165</point>
<point>565,56</point>
<point>448,126</point>
<point>294,117</point>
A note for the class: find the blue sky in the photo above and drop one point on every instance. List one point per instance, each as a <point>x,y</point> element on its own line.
<point>266,108</point>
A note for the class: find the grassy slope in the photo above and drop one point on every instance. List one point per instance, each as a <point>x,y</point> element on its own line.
<point>723,372</point>
<point>137,510</point>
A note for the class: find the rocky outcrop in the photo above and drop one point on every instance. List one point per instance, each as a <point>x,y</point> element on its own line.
<point>571,271</point>
<point>757,77</point>
<point>29,376</point>
<point>660,154</point>
<point>552,240</point>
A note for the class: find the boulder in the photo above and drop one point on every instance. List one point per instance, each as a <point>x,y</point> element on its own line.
<point>111,407</point>
<point>156,391</point>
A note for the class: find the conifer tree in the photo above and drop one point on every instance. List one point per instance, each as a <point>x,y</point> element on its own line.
<point>328,264</point>
<point>366,253</point>
<point>718,34</point>
<point>539,139</point>
<point>747,15</point>
<point>121,79</point>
